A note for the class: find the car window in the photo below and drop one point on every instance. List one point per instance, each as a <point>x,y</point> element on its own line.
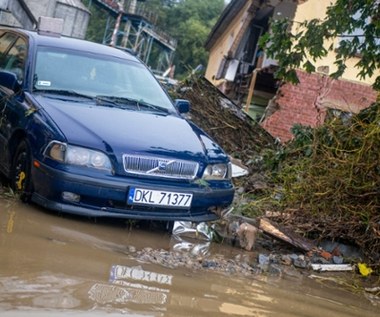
<point>14,60</point>
<point>94,75</point>
<point>6,40</point>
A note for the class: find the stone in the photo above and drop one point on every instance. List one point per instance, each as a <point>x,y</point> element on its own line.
<point>247,235</point>
<point>302,264</point>
<point>274,269</point>
<point>263,259</point>
<point>286,259</point>
<point>337,259</point>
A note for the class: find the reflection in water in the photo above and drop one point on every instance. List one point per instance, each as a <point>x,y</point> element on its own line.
<point>44,291</point>
<point>123,290</point>
<point>139,286</point>
<point>11,221</point>
<point>119,272</point>
<point>75,266</point>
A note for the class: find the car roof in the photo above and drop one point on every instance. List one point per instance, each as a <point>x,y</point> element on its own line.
<point>71,43</point>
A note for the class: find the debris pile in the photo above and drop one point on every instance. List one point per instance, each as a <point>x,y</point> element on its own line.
<point>329,181</point>
<point>324,184</point>
<point>238,134</point>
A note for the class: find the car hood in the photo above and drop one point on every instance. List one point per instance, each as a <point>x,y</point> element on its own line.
<point>118,131</point>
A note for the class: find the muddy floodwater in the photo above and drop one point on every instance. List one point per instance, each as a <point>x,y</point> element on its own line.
<point>52,265</point>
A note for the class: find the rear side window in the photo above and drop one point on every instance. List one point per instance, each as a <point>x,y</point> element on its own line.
<point>6,40</point>
<point>14,59</point>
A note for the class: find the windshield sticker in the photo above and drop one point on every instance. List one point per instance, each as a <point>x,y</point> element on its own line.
<point>44,83</point>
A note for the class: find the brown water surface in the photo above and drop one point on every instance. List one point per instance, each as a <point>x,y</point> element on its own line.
<point>53,265</point>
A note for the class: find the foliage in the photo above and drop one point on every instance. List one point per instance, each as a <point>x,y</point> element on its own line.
<point>355,22</point>
<point>97,23</point>
<point>331,189</point>
<point>190,22</point>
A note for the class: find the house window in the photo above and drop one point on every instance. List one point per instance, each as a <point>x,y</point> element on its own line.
<point>357,34</point>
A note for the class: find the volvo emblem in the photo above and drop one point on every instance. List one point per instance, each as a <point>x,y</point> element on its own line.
<point>162,166</point>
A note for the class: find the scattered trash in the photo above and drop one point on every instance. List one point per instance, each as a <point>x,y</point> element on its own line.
<point>332,267</point>
<point>194,238</point>
<point>188,229</point>
<point>324,254</point>
<point>341,249</point>
<point>364,269</point>
<point>238,169</point>
<point>195,249</point>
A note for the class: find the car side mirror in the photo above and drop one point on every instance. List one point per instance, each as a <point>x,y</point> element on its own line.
<point>9,80</point>
<point>182,105</point>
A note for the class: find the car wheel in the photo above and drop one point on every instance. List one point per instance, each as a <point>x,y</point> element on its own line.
<point>21,181</point>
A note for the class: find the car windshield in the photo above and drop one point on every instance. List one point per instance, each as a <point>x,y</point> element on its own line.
<point>97,75</point>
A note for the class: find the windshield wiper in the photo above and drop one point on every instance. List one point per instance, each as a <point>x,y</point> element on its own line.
<point>154,107</point>
<point>63,92</point>
<point>122,101</point>
<point>112,101</point>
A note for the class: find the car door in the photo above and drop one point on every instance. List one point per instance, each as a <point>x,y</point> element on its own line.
<point>13,51</point>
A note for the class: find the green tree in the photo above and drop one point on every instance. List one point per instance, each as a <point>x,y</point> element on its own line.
<point>97,23</point>
<point>190,22</point>
<point>356,23</point>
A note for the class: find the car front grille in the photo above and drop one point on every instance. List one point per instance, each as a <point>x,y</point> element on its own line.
<point>160,167</point>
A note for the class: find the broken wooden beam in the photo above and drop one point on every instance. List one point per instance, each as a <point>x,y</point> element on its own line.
<point>285,235</point>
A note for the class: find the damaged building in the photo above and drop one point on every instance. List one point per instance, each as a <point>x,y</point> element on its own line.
<point>242,71</point>
<point>25,14</point>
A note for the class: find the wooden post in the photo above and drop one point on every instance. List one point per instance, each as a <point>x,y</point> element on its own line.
<point>251,88</point>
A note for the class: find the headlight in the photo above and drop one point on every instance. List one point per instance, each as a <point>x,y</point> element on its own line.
<point>217,171</point>
<point>76,155</point>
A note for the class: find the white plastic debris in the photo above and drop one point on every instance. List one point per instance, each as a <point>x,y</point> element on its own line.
<point>194,238</point>
<point>332,267</point>
<point>237,167</point>
<point>238,171</point>
<point>199,231</point>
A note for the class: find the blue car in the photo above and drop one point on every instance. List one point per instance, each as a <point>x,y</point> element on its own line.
<point>87,129</point>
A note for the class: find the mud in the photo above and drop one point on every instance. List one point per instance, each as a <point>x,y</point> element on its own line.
<point>53,265</point>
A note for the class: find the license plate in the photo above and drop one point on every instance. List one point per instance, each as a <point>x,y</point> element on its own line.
<point>159,198</point>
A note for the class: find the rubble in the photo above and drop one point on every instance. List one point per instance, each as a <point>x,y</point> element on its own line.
<point>326,181</point>
<point>237,133</point>
<point>247,235</point>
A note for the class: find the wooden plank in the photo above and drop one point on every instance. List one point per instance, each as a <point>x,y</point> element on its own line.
<point>286,236</point>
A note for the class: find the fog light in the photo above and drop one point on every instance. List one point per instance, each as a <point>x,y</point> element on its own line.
<point>75,198</point>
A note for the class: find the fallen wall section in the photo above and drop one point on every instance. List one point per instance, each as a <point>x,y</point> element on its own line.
<point>307,102</point>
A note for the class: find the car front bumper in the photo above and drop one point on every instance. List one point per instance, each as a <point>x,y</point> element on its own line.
<point>107,196</point>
